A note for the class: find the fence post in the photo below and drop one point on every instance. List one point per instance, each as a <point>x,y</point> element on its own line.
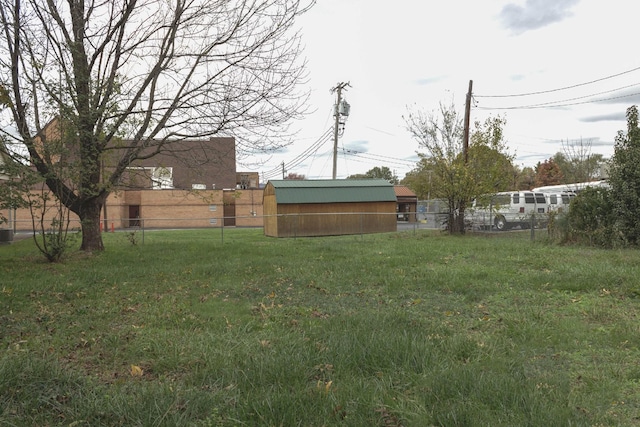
<point>533,226</point>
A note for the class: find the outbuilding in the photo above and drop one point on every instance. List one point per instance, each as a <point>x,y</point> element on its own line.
<point>407,203</point>
<point>328,207</point>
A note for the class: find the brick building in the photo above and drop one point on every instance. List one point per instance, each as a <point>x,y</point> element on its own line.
<point>188,183</point>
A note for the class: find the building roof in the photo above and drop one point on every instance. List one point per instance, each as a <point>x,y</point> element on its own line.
<point>332,191</point>
<point>402,191</point>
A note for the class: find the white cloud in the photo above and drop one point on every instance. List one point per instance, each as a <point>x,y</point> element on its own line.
<point>535,14</point>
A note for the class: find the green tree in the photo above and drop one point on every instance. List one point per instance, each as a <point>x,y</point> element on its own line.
<point>624,178</point>
<point>420,178</point>
<point>148,73</point>
<point>378,172</point>
<point>490,164</point>
<point>523,179</point>
<point>487,169</point>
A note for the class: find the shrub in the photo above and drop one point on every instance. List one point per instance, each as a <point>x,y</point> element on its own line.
<point>558,227</point>
<point>591,218</point>
<point>624,178</point>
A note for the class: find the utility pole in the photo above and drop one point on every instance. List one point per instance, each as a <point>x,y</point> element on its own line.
<point>467,116</point>
<point>341,110</point>
<point>465,149</point>
<point>283,171</point>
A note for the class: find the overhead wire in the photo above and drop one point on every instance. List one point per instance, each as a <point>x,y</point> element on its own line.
<point>377,157</point>
<point>566,102</point>
<point>561,88</point>
<point>308,152</point>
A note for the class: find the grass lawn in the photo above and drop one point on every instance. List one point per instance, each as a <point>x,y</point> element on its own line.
<point>401,329</point>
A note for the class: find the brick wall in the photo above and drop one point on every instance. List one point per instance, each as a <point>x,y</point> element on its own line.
<point>166,209</point>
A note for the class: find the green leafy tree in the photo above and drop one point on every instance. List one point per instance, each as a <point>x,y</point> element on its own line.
<point>487,168</point>
<point>378,172</point>
<point>523,179</point>
<point>490,164</point>
<point>148,73</point>
<point>624,178</point>
<point>420,178</point>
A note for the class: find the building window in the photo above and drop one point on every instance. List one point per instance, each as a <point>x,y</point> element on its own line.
<point>162,178</point>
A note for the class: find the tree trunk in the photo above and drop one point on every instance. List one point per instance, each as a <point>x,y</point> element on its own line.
<point>456,222</point>
<point>90,223</point>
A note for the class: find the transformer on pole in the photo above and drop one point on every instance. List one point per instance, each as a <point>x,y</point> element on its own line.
<point>341,112</point>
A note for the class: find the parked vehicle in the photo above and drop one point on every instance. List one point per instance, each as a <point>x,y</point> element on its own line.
<point>559,202</point>
<point>576,187</point>
<point>506,210</point>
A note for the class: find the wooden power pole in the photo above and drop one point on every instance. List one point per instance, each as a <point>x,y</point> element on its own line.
<point>467,116</point>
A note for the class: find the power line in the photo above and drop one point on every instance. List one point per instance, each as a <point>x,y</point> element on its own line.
<point>312,147</point>
<point>277,169</point>
<point>377,158</point>
<point>308,152</point>
<point>555,104</point>
<point>560,89</point>
<point>367,161</point>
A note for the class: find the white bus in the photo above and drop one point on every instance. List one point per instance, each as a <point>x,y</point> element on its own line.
<point>559,202</point>
<point>509,209</point>
<point>576,187</point>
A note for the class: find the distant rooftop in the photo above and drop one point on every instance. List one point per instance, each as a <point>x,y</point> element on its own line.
<point>402,191</point>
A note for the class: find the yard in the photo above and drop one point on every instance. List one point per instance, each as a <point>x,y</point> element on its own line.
<point>414,328</point>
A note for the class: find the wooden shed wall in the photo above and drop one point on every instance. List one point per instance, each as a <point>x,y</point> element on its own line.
<point>270,209</point>
<point>325,219</point>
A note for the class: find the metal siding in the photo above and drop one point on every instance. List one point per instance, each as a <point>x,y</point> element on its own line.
<point>332,191</point>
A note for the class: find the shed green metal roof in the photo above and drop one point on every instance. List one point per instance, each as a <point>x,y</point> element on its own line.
<point>290,191</point>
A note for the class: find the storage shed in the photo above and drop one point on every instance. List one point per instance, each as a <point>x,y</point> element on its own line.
<point>407,203</point>
<point>328,207</point>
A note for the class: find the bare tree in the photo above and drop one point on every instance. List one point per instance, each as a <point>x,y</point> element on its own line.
<point>130,78</point>
<point>296,176</point>
<point>580,164</point>
<point>440,134</point>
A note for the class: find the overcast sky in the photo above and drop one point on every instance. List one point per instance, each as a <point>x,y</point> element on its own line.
<point>578,59</point>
